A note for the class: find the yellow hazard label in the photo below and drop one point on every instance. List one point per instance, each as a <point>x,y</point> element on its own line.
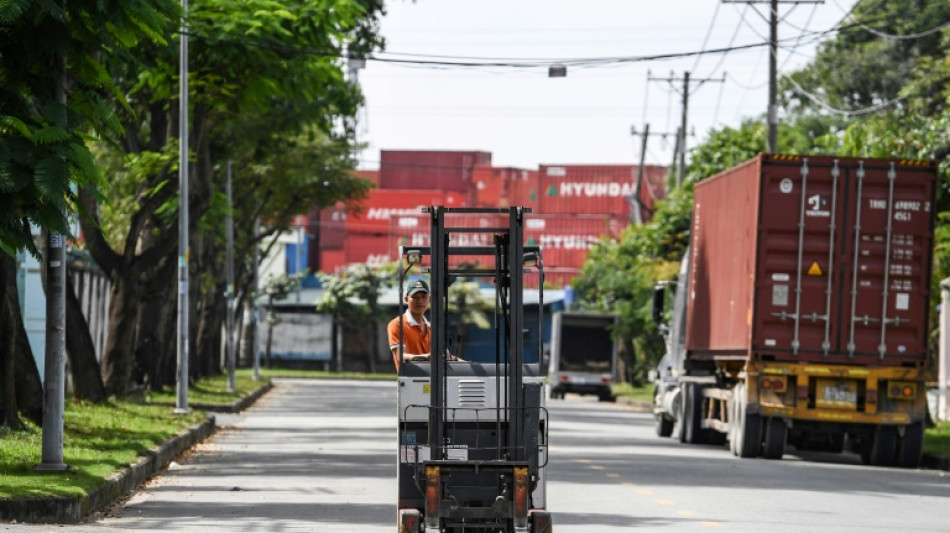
<point>425,389</point>
<point>815,270</point>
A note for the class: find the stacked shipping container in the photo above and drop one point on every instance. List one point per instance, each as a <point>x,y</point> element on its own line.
<point>573,207</point>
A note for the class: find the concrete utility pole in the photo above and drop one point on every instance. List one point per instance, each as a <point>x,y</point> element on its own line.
<point>181,402</point>
<point>636,215</point>
<point>773,62</point>
<point>54,371</point>
<point>680,156</point>
<point>229,270</point>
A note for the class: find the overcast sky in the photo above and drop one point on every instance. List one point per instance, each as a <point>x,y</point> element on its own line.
<point>525,118</point>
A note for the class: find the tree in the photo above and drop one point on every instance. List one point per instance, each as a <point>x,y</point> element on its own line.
<point>277,288</point>
<point>267,90</point>
<point>352,300</point>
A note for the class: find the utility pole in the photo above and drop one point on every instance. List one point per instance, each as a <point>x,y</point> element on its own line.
<point>680,156</point>
<point>181,401</point>
<point>773,62</point>
<point>943,360</point>
<point>636,214</point>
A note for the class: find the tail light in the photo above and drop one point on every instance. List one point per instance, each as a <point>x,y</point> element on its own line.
<point>901,390</point>
<point>564,379</point>
<point>605,381</point>
<point>774,383</point>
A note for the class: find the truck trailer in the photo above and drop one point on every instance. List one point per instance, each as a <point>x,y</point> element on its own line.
<point>800,312</point>
<point>583,354</point>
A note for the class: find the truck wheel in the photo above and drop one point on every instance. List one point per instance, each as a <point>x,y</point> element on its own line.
<point>775,433</point>
<point>664,426</point>
<point>884,446</point>
<point>539,522</point>
<point>748,427</point>
<point>911,446</point>
<point>693,415</point>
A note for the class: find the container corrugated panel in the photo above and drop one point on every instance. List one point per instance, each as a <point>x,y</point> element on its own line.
<point>371,175</point>
<point>372,249</point>
<point>429,169</point>
<point>813,259</point>
<point>595,189</point>
<point>383,204</point>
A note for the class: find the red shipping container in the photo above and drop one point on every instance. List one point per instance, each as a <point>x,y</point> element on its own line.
<point>813,259</point>
<point>331,261</point>
<point>565,240</point>
<point>505,187</point>
<point>372,249</point>
<point>430,169</point>
<point>372,175</point>
<point>596,189</point>
<point>383,204</point>
<point>331,227</point>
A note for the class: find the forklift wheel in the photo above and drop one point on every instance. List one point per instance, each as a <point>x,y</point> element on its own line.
<point>539,521</point>
<point>410,521</point>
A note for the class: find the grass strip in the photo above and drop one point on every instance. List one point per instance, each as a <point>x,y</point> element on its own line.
<point>643,393</point>
<point>212,391</point>
<point>98,440</point>
<point>937,439</point>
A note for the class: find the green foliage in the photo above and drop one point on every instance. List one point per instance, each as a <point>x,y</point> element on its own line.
<point>352,296</point>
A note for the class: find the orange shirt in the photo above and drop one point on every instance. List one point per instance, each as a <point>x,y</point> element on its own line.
<point>414,341</point>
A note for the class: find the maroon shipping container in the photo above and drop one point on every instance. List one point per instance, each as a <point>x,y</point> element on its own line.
<point>594,189</point>
<point>429,169</point>
<point>372,175</point>
<point>813,259</point>
<point>505,187</point>
<point>383,204</point>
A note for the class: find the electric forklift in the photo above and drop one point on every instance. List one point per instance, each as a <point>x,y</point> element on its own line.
<point>473,436</point>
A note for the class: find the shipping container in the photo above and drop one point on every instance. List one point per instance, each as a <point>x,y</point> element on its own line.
<point>331,229</point>
<point>371,175</point>
<point>504,187</point>
<point>565,240</point>
<point>596,189</point>
<point>383,204</point>
<point>331,261</point>
<point>800,314</point>
<point>371,249</point>
<point>430,169</point>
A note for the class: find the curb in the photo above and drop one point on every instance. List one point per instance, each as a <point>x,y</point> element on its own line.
<point>935,462</point>
<point>239,405</point>
<point>71,510</point>
<point>636,406</point>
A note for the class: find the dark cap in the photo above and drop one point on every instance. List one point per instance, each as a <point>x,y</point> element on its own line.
<point>417,286</point>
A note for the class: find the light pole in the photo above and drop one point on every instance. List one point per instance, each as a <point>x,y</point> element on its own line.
<point>181,403</point>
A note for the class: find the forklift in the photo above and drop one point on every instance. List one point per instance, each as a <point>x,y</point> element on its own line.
<point>473,436</point>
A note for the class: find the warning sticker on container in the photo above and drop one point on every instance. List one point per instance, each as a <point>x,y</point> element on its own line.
<point>815,270</point>
<point>903,301</point>
<point>457,452</point>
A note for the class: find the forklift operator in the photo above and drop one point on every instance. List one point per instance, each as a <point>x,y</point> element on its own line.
<point>416,328</point>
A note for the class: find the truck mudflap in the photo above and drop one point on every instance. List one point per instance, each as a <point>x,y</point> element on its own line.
<point>838,393</point>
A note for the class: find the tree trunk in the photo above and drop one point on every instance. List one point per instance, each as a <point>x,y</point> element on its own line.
<point>8,346</point>
<point>117,356</point>
<point>157,308</point>
<point>81,351</point>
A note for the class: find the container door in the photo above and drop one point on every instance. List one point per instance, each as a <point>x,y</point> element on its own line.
<point>799,263</point>
<point>844,261</point>
<point>886,263</point>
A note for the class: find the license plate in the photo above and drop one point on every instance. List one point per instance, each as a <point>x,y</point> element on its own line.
<point>837,394</point>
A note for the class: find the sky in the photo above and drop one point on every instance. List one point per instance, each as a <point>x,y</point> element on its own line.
<point>524,118</point>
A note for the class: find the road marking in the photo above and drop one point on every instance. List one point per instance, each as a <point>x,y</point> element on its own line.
<point>629,483</point>
<point>665,502</point>
<point>685,513</point>
<point>583,460</point>
<point>613,474</point>
<point>712,524</point>
<point>645,492</point>
<point>596,467</point>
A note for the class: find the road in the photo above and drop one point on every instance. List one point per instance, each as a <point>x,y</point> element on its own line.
<point>320,456</point>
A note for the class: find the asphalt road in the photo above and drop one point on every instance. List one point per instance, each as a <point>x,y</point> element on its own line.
<point>320,456</point>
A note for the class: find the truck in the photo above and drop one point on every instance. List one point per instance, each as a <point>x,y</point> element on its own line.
<point>583,354</point>
<point>799,315</point>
